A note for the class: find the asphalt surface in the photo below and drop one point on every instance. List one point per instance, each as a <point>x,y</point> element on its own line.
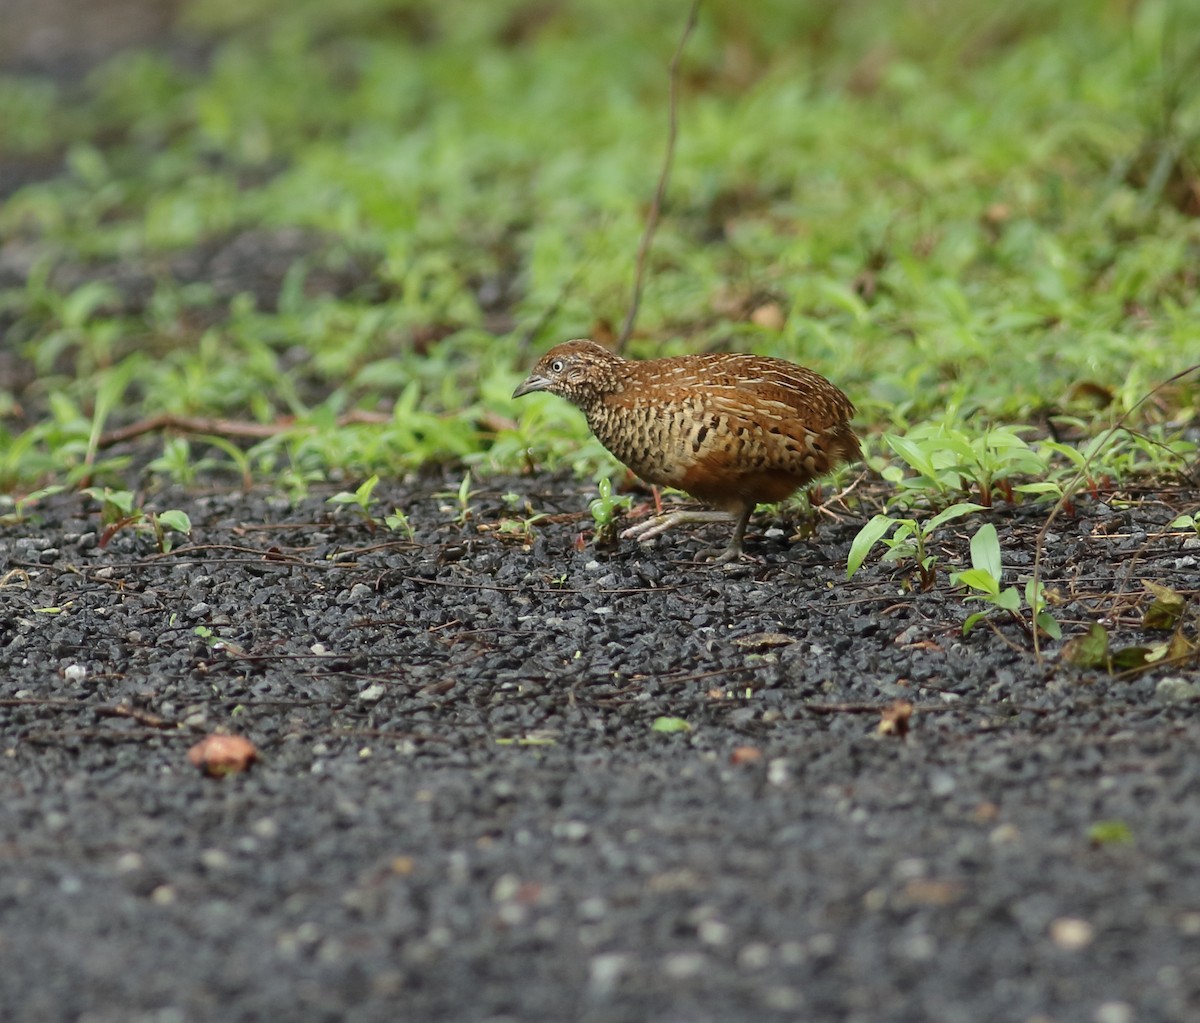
<point>463,809</point>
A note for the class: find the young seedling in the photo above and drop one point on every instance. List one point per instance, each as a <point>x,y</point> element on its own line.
<point>1187,522</point>
<point>21,505</point>
<point>165,523</point>
<point>909,540</point>
<point>521,526</point>
<point>605,510</point>
<point>947,459</point>
<point>398,522</point>
<point>462,500</point>
<point>985,578</point>
<point>358,499</point>
<point>117,512</point>
<point>465,511</point>
<point>176,461</point>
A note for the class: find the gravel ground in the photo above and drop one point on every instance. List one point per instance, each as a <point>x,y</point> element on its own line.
<point>463,811</point>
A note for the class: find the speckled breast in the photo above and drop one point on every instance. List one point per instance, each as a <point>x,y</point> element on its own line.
<point>656,441</point>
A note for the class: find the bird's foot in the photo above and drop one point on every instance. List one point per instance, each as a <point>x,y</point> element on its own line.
<point>659,524</point>
<point>731,555</point>
<point>728,555</point>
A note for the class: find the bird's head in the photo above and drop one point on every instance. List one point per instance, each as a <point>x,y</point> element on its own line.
<point>580,371</point>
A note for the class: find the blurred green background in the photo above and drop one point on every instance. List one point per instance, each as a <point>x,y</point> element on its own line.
<point>961,212</point>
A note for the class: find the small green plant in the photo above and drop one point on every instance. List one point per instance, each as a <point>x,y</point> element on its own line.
<point>398,522</point>
<point>359,499</point>
<point>117,512</point>
<point>165,523</point>
<point>21,505</point>
<point>177,464</point>
<point>462,500</point>
<point>605,510</point>
<point>1187,522</point>
<point>521,526</point>
<point>465,511</point>
<point>909,540</point>
<point>948,459</point>
<point>295,479</point>
<point>984,577</point>
<point>1110,833</point>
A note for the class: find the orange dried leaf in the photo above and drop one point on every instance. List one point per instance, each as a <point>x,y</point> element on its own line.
<point>219,755</point>
<point>895,719</point>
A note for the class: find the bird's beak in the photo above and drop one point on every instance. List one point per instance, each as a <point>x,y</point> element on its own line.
<point>532,383</point>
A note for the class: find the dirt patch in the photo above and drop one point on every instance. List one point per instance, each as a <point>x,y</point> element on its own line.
<point>464,806</point>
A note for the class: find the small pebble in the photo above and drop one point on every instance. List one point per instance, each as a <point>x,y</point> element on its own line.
<point>1114,1012</point>
<point>1071,933</point>
<point>605,970</point>
<point>1176,689</point>
<point>685,965</point>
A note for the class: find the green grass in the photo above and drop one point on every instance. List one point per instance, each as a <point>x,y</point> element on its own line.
<point>968,215</point>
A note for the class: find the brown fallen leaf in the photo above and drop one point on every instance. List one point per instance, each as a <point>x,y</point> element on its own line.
<point>745,755</point>
<point>1166,609</point>
<point>895,719</point>
<point>986,812</point>
<point>1089,650</point>
<point>219,755</point>
<point>763,640</point>
<point>927,892</point>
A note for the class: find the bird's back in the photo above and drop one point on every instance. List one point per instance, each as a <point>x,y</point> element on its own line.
<point>726,427</point>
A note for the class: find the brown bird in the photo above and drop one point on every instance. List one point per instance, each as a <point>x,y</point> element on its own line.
<point>730,429</point>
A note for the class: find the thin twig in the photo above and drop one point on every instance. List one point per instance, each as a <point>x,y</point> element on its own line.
<point>665,175</point>
<point>235,428</point>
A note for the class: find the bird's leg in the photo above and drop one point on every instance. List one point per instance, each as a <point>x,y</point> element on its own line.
<point>659,524</point>
<point>734,551</point>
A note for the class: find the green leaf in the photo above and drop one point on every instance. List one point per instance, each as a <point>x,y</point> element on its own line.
<point>955,511</point>
<point>985,551</point>
<point>1089,650</point>
<point>1130,658</point>
<point>1039,488</point>
<point>176,520</point>
<point>1167,608</point>
<point>912,453</point>
<point>670,725</point>
<point>112,500</point>
<point>1110,833</point>
<point>1049,624</point>
<point>363,493</point>
<point>867,537</point>
<point>972,621</point>
<point>1008,598</point>
<point>977,579</point>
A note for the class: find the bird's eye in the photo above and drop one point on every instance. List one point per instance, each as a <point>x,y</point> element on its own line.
<point>556,366</point>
